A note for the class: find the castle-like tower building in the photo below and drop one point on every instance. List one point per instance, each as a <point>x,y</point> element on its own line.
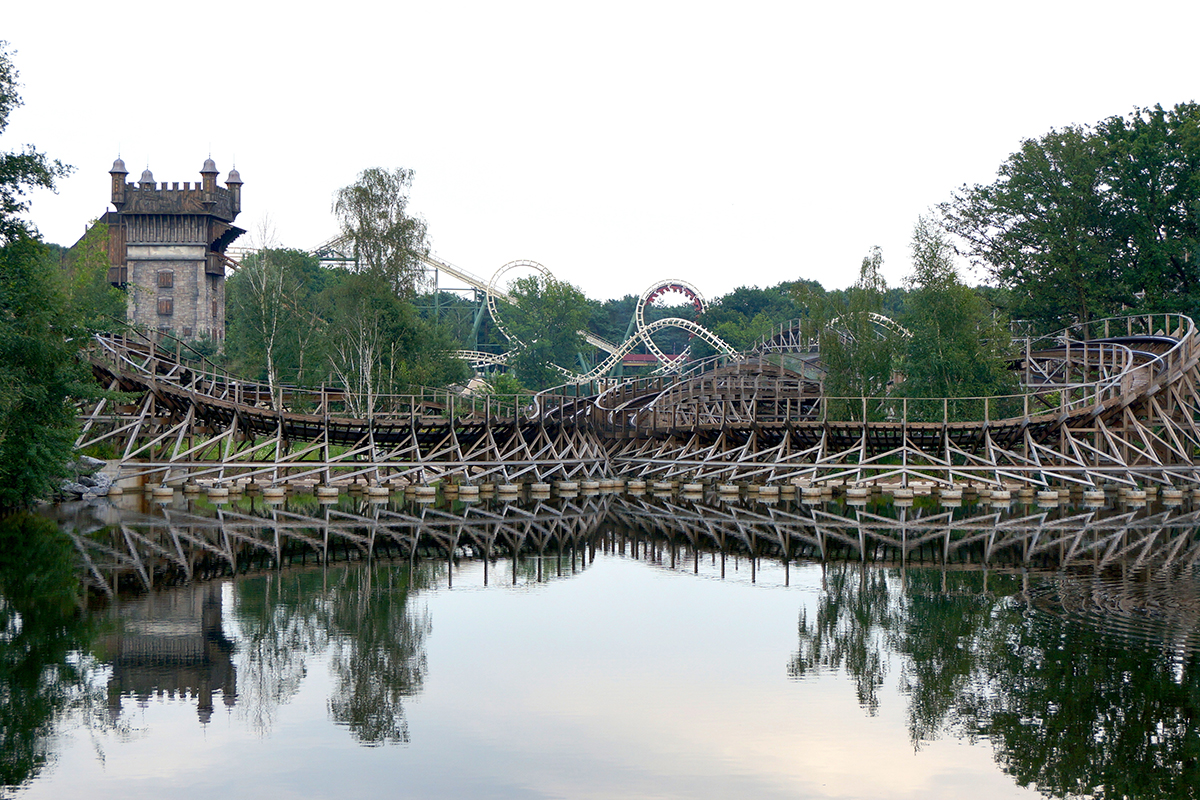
<point>167,247</point>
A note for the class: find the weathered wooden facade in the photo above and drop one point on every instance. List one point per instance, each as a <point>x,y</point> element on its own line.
<point>167,247</point>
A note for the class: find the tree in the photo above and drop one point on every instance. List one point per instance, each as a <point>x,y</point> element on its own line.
<point>1152,170</point>
<point>1088,221</point>
<point>388,242</point>
<point>40,334</point>
<point>378,344</point>
<point>1045,230</point>
<point>101,305</point>
<point>957,345</point>
<point>545,318</point>
<point>747,314</point>
<point>40,373</point>
<point>273,330</point>
<point>859,355</point>
<point>20,171</point>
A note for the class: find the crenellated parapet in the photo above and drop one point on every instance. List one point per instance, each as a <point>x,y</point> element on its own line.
<point>201,197</point>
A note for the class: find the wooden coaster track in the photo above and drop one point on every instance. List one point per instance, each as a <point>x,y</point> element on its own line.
<point>1111,401</point>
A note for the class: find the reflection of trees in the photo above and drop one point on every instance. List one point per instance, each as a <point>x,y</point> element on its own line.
<point>937,634</point>
<point>1072,711</point>
<point>854,615</point>
<point>359,614</point>
<point>1069,710</point>
<point>383,661</point>
<point>280,629</point>
<point>41,677</point>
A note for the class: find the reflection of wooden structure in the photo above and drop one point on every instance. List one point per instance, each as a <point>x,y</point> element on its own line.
<point>186,544</point>
<point>1050,538</point>
<point>172,644</point>
<point>141,552</point>
<point>1114,400</point>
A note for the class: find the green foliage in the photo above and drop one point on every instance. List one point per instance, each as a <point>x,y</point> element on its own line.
<point>1152,169</point>
<point>859,355</point>
<point>373,212</point>
<point>293,322</point>
<point>455,315</point>
<point>40,373</point>
<point>1085,221</point>
<point>99,304</point>
<point>41,329</point>
<point>204,347</point>
<point>747,314</point>
<point>958,345</point>
<point>1042,229</point>
<point>377,343</point>
<point>273,332</point>
<point>20,171</point>
<point>506,394</point>
<point>546,318</point>
<point>505,383</point>
<point>610,319</point>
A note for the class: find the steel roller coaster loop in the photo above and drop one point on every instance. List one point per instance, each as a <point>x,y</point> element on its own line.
<point>882,325</point>
<point>648,297</point>
<point>337,249</point>
<point>641,335</point>
<point>495,289</point>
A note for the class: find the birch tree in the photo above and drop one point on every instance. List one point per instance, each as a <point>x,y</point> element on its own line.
<point>388,241</point>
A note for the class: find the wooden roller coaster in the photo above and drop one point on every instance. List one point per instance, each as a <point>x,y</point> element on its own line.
<point>174,544</point>
<point>1110,401</point>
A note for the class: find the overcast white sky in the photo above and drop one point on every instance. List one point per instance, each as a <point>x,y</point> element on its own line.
<point>616,143</point>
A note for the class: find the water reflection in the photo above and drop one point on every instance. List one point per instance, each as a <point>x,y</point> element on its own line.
<point>170,643</point>
<point>42,674</point>
<point>125,550</point>
<point>361,615</point>
<point>1065,638</point>
<point>1070,709</point>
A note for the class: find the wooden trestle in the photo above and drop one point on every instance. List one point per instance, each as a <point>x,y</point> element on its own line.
<point>196,423</point>
<point>178,544</point>
<point>1110,401</point>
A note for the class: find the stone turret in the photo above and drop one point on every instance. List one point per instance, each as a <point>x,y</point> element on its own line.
<point>118,173</point>
<point>169,241</point>
<point>209,174</point>
<point>234,183</point>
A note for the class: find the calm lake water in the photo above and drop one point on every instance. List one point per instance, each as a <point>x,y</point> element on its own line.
<point>611,646</point>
